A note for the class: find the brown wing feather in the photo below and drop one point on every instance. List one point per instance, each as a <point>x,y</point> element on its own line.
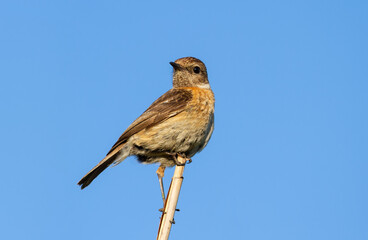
<point>168,105</point>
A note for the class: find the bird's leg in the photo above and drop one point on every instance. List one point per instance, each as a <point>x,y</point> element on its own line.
<point>160,173</point>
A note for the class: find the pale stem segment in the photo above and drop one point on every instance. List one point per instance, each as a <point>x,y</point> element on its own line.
<point>167,218</point>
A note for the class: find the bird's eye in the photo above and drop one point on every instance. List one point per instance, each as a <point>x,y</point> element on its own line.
<point>196,69</point>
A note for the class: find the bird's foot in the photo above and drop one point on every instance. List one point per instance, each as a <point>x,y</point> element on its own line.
<point>182,155</point>
<point>179,163</point>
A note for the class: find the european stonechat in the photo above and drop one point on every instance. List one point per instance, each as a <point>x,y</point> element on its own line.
<point>180,122</point>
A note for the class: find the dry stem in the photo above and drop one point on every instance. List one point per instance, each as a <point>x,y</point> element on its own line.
<point>167,218</point>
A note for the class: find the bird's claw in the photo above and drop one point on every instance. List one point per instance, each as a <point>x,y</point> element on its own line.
<point>177,163</point>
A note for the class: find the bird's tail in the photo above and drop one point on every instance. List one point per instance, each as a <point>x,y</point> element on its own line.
<point>115,156</point>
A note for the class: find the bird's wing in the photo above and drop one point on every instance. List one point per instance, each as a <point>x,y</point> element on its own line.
<point>168,105</point>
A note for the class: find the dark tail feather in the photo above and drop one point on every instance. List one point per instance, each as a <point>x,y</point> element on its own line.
<point>91,175</point>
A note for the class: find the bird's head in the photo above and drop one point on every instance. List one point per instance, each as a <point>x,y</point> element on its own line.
<point>190,72</point>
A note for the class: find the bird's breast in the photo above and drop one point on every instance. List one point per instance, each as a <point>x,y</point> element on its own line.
<point>199,120</point>
<point>187,132</point>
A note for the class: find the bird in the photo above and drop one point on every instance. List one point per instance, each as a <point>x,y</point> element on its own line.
<point>179,123</point>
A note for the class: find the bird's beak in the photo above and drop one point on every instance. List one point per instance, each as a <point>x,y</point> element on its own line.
<point>176,66</point>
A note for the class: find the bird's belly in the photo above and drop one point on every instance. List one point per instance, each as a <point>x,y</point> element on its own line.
<point>180,134</point>
<point>175,138</point>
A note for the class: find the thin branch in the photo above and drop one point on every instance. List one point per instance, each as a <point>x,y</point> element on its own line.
<point>167,218</point>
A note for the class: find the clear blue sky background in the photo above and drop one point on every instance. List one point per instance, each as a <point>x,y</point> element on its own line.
<point>288,158</point>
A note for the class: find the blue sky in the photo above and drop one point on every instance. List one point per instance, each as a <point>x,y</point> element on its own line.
<point>288,157</point>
